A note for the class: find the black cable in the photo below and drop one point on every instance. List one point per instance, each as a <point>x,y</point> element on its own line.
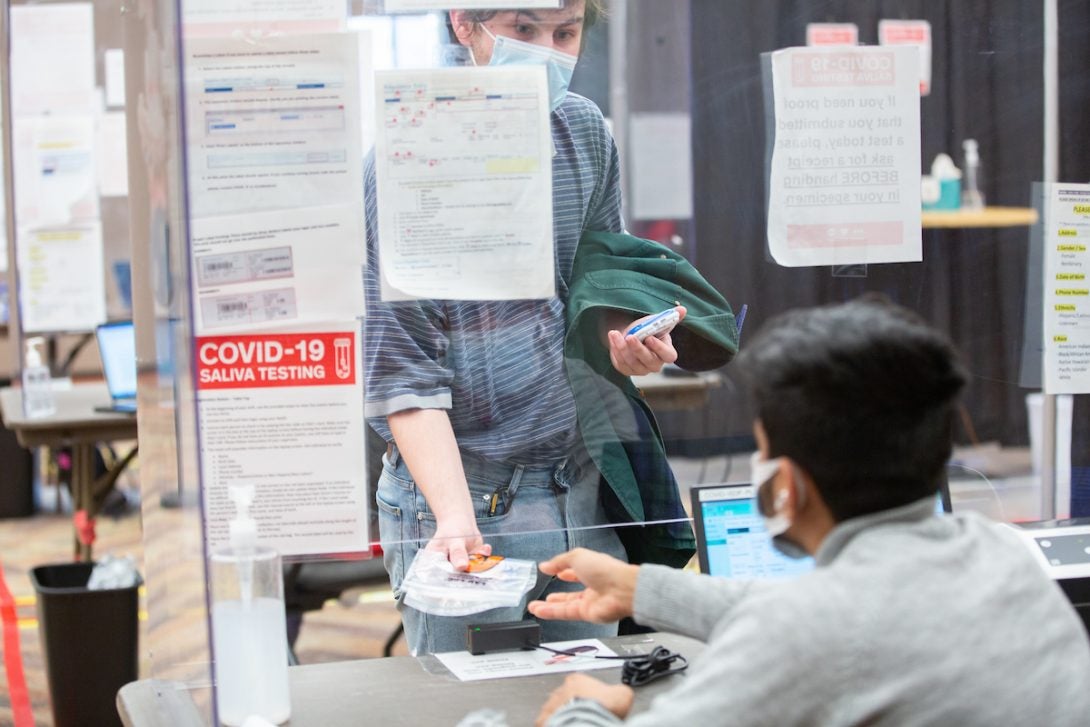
<point>638,670</point>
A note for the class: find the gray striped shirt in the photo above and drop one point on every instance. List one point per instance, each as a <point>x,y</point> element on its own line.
<point>498,367</point>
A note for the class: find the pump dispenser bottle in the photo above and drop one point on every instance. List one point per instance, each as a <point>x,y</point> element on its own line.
<point>38,400</point>
<point>972,197</point>
<point>249,635</point>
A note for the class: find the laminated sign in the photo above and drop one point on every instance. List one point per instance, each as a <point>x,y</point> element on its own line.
<point>284,411</point>
<point>844,161</point>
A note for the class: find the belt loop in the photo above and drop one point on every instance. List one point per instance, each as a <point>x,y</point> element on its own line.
<point>392,455</point>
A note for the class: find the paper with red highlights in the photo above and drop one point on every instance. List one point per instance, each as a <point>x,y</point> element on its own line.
<point>844,177</point>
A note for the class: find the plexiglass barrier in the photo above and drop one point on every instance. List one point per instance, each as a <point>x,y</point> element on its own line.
<point>388,277</point>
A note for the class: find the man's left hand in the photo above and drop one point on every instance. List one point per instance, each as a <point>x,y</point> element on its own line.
<point>632,357</point>
<point>617,698</point>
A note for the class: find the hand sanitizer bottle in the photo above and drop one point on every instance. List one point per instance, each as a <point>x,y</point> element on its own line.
<point>249,634</point>
<point>38,400</point>
<point>972,197</point>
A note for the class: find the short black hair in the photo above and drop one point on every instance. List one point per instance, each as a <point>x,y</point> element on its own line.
<point>861,395</point>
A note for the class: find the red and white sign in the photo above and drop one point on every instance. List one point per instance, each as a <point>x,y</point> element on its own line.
<point>832,34</point>
<point>844,178</point>
<point>910,32</point>
<point>271,360</point>
<point>284,411</point>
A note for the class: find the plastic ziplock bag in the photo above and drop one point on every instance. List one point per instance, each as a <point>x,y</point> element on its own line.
<point>433,586</point>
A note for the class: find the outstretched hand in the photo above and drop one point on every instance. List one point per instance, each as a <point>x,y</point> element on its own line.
<point>610,587</point>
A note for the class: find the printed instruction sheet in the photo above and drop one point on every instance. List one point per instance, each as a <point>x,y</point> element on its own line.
<point>61,278</point>
<point>463,159</point>
<point>1067,290</point>
<point>54,167</point>
<point>52,59</point>
<point>225,17</point>
<point>470,668</point>
<point>844,184</point>
<point>283,412</point>
<point>273,123</point>
<point>275,269</point>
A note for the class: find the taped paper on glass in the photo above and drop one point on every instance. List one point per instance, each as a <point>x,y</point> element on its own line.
<point>61,278</point>
<point>276,269</point>
<point>273,123</point>
<point>844,167</point>
<point>1067,289</point>
<point>52,59</point>
<point>54,166</point>
<point>463,162</point>
<point>224,18</point>
<point>283,411</point>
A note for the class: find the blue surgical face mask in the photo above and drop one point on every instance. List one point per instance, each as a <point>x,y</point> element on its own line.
<point>559,66</point>
<point>776,522</point>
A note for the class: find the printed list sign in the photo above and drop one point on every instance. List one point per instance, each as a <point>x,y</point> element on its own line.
<point>844,179</point>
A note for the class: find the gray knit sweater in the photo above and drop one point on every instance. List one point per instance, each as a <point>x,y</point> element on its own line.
<point>909,619</point>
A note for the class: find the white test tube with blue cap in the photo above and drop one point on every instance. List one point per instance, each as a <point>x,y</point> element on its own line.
<point>249,633</point>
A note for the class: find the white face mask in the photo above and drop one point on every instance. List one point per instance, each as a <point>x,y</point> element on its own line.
<point>559,66</point>
<point>776,522</point>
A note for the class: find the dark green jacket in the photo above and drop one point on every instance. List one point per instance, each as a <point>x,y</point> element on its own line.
<point>617,271</point>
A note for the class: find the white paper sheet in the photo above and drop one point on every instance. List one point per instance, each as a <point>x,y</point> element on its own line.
<point>283,412</point>
<point>114,67</point>
<point>112,160</point>
<point>470,668</point>
<point>1067,290</point>
<point>273,124</point>
<point>223,18</point>
<point>421,6</point>
<point>276,269</point>
<point>662,166</point>
<point>61,278</point>
<point>915,33</point>
<point>845,173</point>
<point>54,166</point>
<point>463,160</point>
<point>52,59</point>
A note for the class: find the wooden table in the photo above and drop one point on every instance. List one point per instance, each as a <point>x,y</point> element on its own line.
<point>675,393</point>
<point>75,424</point>
<point>400,690</point>
<point>987,217</point>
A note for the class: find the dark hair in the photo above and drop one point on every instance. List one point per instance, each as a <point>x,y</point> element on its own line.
<point>594,11</point>
<point>861,395</point>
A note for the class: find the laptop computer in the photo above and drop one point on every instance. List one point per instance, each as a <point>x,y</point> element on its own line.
<point>117,349</point>
<point>731,540</point>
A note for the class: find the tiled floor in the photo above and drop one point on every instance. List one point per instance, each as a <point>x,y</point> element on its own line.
<point>353,627</point>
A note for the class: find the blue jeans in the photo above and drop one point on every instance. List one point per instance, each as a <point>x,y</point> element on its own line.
<point>537,511</point>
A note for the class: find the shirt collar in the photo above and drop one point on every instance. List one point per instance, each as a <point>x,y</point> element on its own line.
<point>839,537</point>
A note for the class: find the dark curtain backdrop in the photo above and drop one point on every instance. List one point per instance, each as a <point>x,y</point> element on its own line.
<point>987,70</point>
<point>1075,167</point>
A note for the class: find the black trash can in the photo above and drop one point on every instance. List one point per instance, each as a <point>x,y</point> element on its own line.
<point>88,641</point>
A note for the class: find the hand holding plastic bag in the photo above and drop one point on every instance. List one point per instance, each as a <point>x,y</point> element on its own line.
<point>433,586</point>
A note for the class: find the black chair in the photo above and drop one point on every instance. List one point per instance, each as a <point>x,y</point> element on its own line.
<point>309,585</point>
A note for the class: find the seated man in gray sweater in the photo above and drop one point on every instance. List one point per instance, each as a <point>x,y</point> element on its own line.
<point>909,617</point>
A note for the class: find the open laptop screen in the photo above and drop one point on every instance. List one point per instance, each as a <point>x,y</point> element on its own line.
<point>117,347</point>
<point>731,537</point>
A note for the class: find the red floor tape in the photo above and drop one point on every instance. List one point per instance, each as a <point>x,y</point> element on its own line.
<point>13,658</point>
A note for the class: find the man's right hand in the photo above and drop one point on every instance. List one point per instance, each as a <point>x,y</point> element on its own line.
<point>458,541</point>
<point>609,593</point>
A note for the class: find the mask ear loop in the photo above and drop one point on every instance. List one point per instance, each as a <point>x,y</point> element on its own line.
<point>800,489</point>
